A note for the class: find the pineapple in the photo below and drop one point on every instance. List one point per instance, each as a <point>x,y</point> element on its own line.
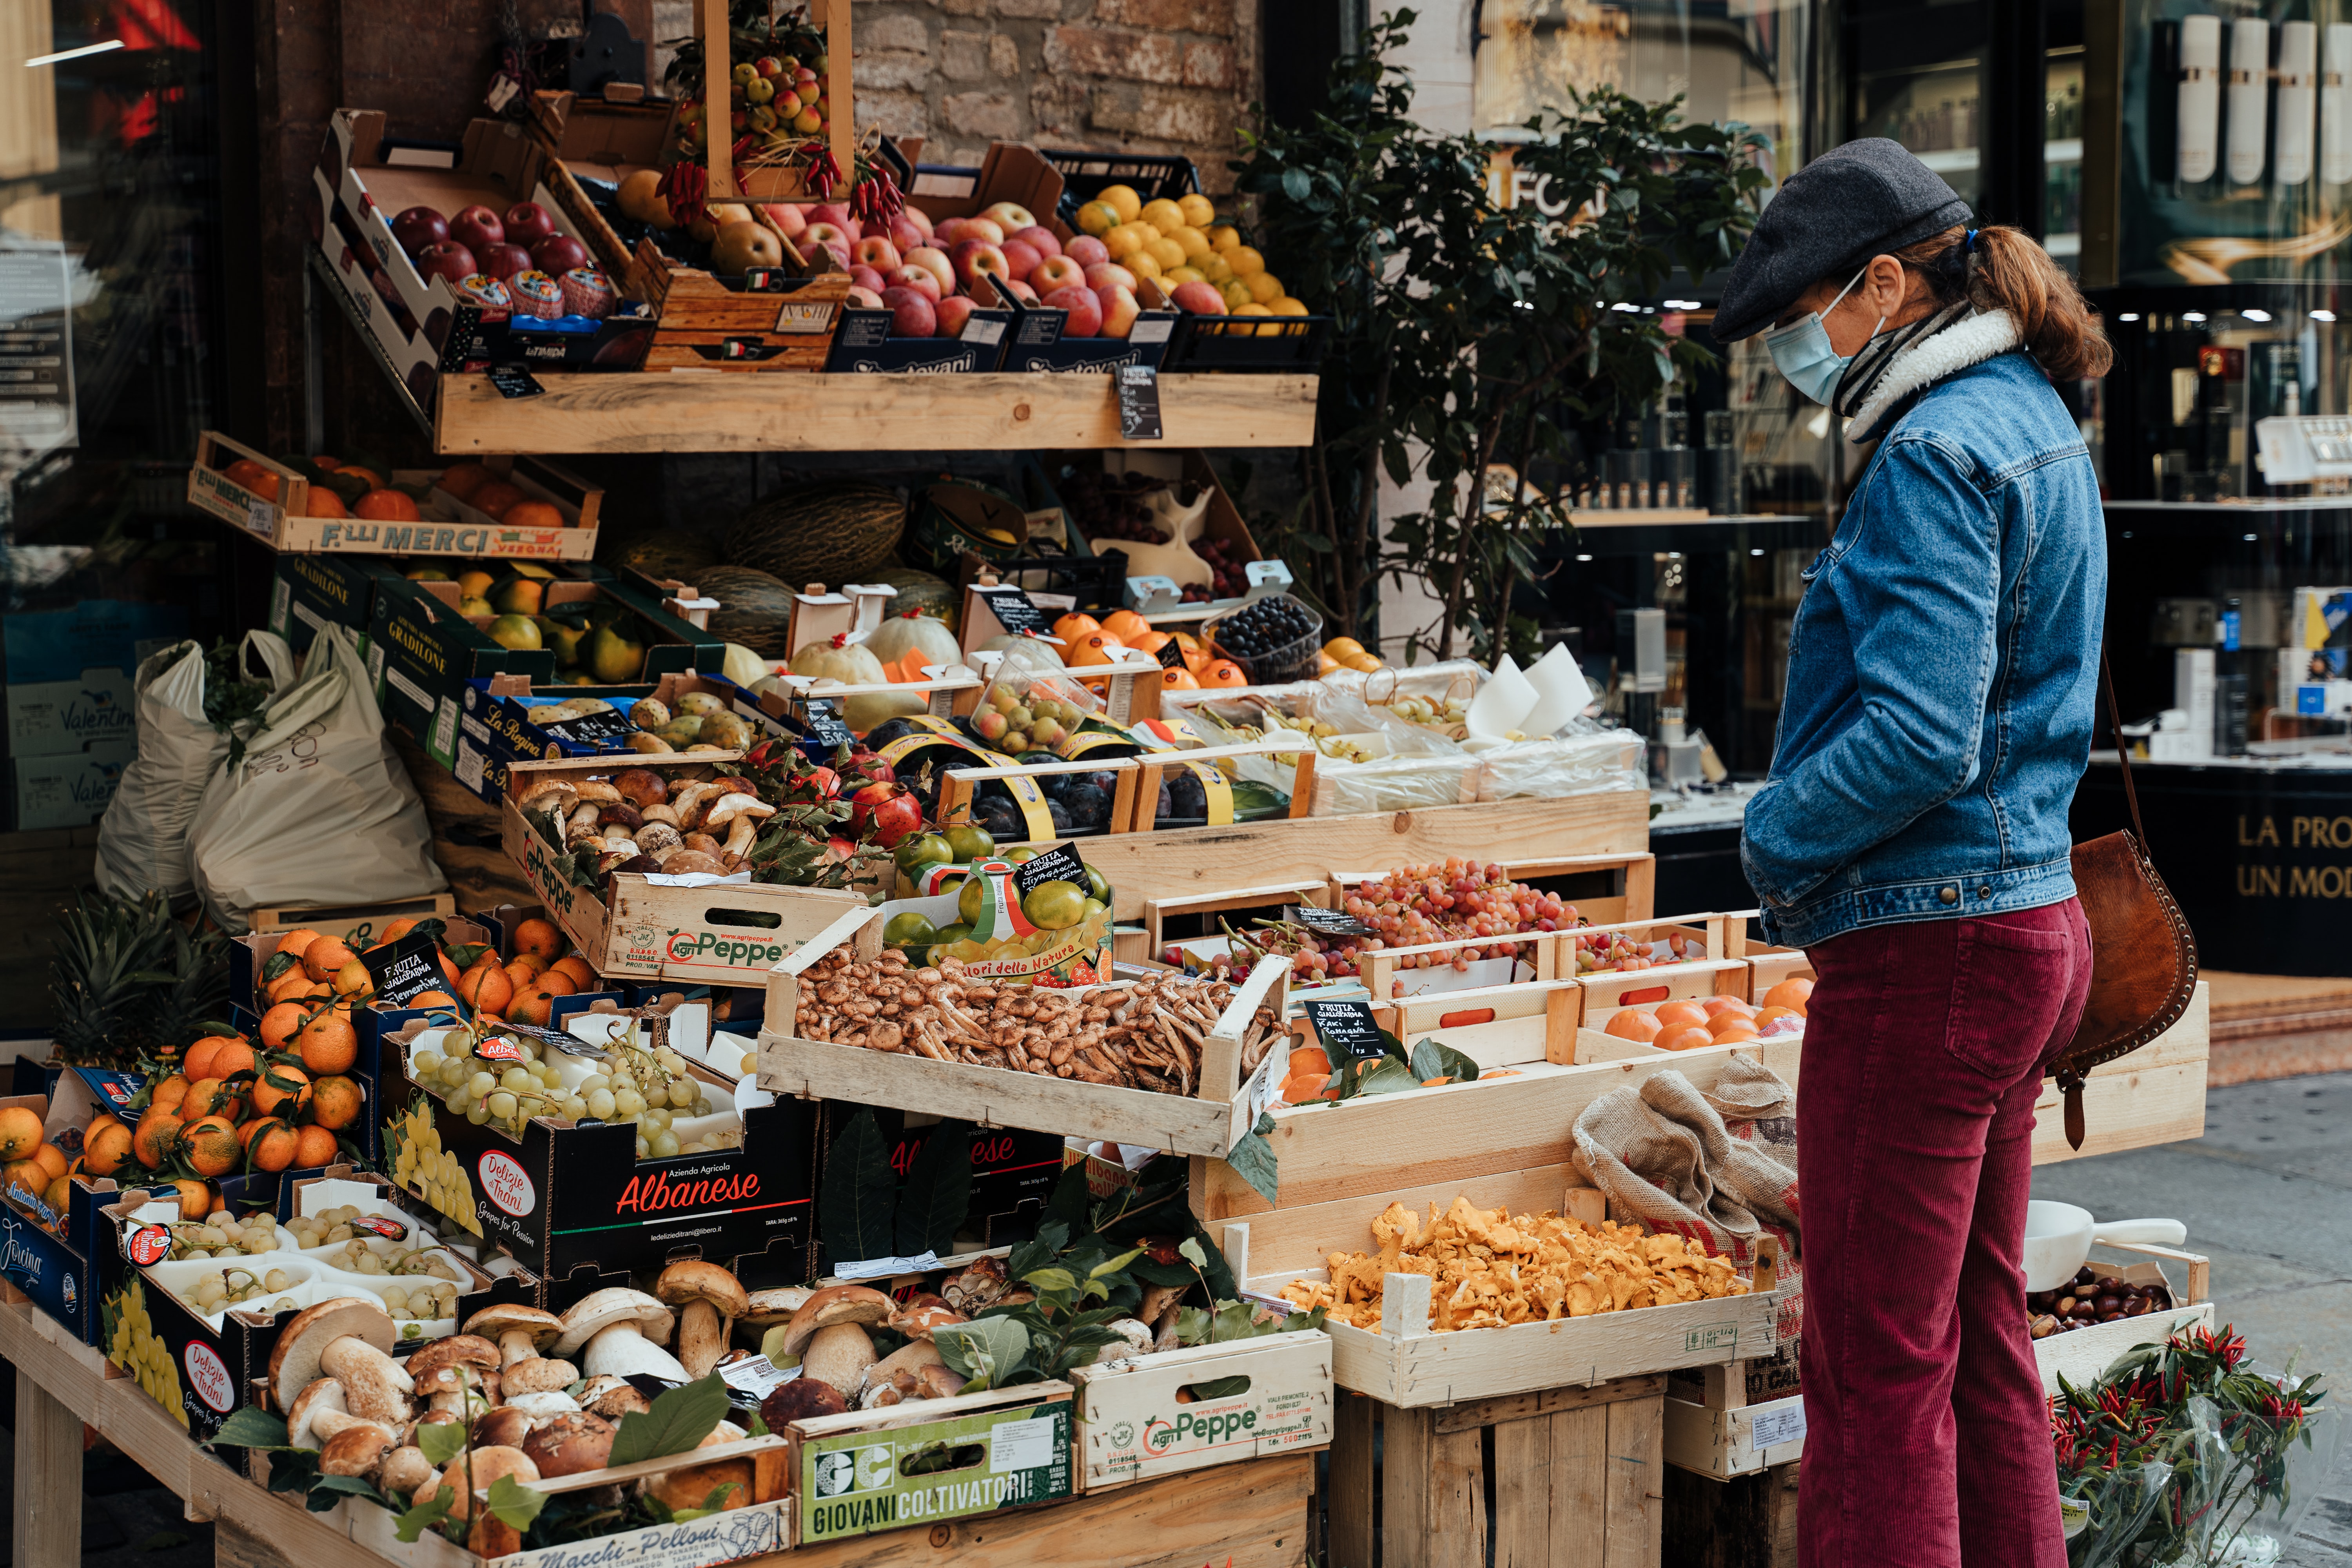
<point>128,981</point>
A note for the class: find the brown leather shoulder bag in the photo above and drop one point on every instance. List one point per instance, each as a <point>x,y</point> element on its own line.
<point>2142,957</point>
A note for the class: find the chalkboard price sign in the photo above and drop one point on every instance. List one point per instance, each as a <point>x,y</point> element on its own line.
<point>1014,611</point>
<point>405,970</point>
<point>1326,923</point>
<point>824,723</point>
<point>1171,654</point>
<point>1349,1026</point>
<point>1061,863</point>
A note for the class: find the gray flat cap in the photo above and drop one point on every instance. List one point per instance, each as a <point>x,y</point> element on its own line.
<point>1847,206</point>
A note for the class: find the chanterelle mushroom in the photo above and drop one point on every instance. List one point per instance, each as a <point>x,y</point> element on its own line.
<point>520,1333</point>
<point>708,1298</point>
<point>620,1329</point>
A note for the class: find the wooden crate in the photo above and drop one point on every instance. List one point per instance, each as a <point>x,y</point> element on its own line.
<point>1310,891</point>
<point>1576,1472</point>
<point>356,925</point>
<point>1135,1424</point>
<point>1219,1114</point>
<point>1749,1522</point>
<point>842,1495</point>
<point>726,934</point>
<point>959,786</point>
<point>1156,766</point>
<point>1406,1364</point>
<point>2155,1095</point>
<point>2084,1354</point>
<point>1723,1444</point>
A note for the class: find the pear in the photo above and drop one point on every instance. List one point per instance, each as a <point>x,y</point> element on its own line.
<point>518,632</point>
<point>564,639</point>
<point>610,657</point>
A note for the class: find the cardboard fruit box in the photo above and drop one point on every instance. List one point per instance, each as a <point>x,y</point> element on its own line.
<point>1012,1170</point>
<point>931,1461</point>
<point>567,1195</point>
<point>52,1256</point>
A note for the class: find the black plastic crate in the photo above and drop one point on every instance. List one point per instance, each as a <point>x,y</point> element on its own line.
<point>1244,342</point>
<point>1098,582</point>
<point>1086,175</point>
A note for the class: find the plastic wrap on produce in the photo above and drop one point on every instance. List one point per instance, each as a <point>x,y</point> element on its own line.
<point>1369,759</point>
<point>1562,764</point>
<point>1393,783</point>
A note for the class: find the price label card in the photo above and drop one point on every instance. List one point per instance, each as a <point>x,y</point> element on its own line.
<point>757,1376</point>
<point>1061,863</point>
<point>1014,612</point>
<point>513,380</point>
<point>1139,402</point>
<point>380,1224</point>
<point>261,517</point>
<point>1326,923</point>
<point>1349,1026</point>
<point>824,723</point>
<point>1171,654</point>
<point>405,970</point>
<point>498,1050</point>
<point>1774,1425</point>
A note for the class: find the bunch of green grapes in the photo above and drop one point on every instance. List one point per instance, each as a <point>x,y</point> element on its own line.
<point>508,1093</point>
<point>361,1256</point>
<point>132,1345</point>
<point>422,1166</point>
<point>421,1303</point>
<point>324,1228</point>
<point>647,1088</point>
<point>236,1287</point>
<point>225,1235</point>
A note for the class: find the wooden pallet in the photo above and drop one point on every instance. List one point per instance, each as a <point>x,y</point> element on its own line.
<point>1577,1474</point>
<point>1748,1523</point>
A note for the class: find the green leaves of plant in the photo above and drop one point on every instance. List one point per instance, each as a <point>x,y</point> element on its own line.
<point>425,1515</point>
<point>680,1419</point>
<point>714,1501</point>
<point>983,1352</point>
<point>1252,1160</point>
<point>249,1428</point>
<point>514,1504</point>
<point>442,1441</point>
<point>938,1195</point>
<point>1435,1058</point>
<point>857,1201</point>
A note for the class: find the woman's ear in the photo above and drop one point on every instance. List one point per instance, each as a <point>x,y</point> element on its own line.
<point>1887,286</point>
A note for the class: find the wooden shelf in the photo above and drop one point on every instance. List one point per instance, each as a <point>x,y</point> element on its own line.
<point>744,412</point>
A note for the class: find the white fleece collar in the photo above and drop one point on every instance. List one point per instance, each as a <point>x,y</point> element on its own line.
<point>1971,341</point>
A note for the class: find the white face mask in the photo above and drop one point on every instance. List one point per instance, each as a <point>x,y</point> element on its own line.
<point>1802,352</point>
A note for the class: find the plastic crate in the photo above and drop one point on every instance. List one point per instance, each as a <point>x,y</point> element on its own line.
<point>1085,175</point>
<point>1248,342</point>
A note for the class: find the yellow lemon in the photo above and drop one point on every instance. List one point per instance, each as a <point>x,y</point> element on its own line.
<point>1141,265</point>
<point>1097,218</point>
<point>1165,251</point>
<point>1287,305</point>
<point>1254,309</point>
<point>1264,287</point>
<point>1164,215</point>
<point>1198,210</point>
<point>1123,242</point>
<point>1212,268</point>
<point>1237,295</point>
<point>1183,275</point>
<point>1123,200</point>
<point>1195,243</point>
<point>1224,237</point>
<point>1245,260</point>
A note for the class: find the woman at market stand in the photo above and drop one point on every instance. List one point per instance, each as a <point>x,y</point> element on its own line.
<point>1913,840</point>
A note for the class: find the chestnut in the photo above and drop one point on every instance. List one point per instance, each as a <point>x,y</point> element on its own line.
<point>2042,1327</point>
<point>2107,1306</point>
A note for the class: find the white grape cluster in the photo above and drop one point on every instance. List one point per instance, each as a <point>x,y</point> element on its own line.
<point>359,1256</point>
<point>326,1227</point>
<point>1436,712</point>
<point>223,1235</point>
<point>236,1287</point>
<point>422,1166</point>
<point>648,1090</point>
<point>134,1347</point>
<point>420,1302</point>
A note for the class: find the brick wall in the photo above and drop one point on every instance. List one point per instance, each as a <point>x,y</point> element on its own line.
<point>1145,75</point>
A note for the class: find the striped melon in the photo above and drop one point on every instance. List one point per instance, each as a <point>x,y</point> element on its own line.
<point>830,534</point>
<point>677,556</point>
<point>755,608</point>
<point>919,591</point>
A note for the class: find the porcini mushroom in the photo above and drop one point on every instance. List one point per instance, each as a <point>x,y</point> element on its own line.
<point>504,1428</point>
<point>319,1395</point>
<point>916,1317</point>
<point>896,1377</point>
<point>569,1444</point>
<point>708,1298</point>
<point>834,1305</point>
<point>621,1329</point>
<point>538,1375</point>
<point>520,1333</point>
<point>800,1399</point>
<point>376,1387</point>
<point>294,1362</point>
<point>404,1469</point>
<point>838,1355</point>
<point>356,1450</point>
<point>613,1397</point>
<point>692,1486</point>
<point>489,1536</point>
<point>544,1406</point>
<point>772,1307</point>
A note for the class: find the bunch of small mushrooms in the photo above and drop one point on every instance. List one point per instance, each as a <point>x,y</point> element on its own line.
<point>640,821</point>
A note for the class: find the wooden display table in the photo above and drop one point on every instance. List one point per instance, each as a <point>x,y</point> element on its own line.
<point>1254,1511</point>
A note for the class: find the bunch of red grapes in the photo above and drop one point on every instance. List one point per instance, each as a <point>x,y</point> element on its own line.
<point>1228,574</point>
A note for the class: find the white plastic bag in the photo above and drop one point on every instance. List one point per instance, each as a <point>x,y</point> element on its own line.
<point>319,811</point>
<point>143,839</point>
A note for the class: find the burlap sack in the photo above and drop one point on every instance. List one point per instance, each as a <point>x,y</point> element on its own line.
<point>1716,1167</point>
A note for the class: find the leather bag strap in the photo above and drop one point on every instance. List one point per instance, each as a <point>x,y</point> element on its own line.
<point>2122,751</point>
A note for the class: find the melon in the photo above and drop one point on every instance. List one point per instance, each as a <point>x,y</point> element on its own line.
<point>680,557</point>
<point>830,534</point>
<point>933,595</point>
<point>849,663</point>
<point>754,609</point>
<point>743,666</point>
<point>914,633</point>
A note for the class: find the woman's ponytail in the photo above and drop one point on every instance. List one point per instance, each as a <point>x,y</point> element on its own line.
<point>2002,268</point>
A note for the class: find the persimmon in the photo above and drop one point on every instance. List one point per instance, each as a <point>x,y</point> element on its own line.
<point>1684,1037</point>
<point>1792,993</point>
<point>1635,1024</point>
<point>1673,1012</point>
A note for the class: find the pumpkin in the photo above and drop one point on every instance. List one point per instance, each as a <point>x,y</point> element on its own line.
<point>852,664</point>
<point>901,634</point>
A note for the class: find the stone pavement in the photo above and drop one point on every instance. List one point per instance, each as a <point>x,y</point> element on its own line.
<point>2267,1195</point>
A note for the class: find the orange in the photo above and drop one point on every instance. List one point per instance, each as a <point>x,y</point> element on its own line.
<point>196,1060</point>
<point>462,479</point>
<point>323,502</point>
<point>1717,1005</point>
<point>532,514</point>
<point>1093,648</point>
<point>485,989</point>
<point>212,1146</point>
<point>556,982</point>
<point>292,944</point>
<point>59,1197</point>
<point>1673,1012</point>
<point>1126,625</point>
<point>1177,681</point>
<point>252,476</point>
<point>327,1043</point>
<point>1076,625</point>
<point>274,1147</point>
<point>323,957</point>
<point>20,1132</point>
<point>103,1149</point>
<point>245,1133</point>
<point>1311,1059</point>
<point>335,1102</point>
<point>281,1024</point>
<point>210,1096</point>
<point>152,1143</point>
<point>495,499</point>
<point>575,968</point>
<point>232,1057</point>
<point>539,937</point>
<point>280,1085</point>
<point>165,1098</point>
<point>23,1178</point>
<point>314,1146</point>
<point>1791,994</point>
<point>521,976</point>
<point>354,979</point>
<point>367,477</point>
<point>50,1158</point>
<point>1147,641</point>
<point>531,1006</point>
<point>1684,1037</point>
<point>386,506</point>
<point>1223,672</point>
<point>196,1198</point>
<point>292,987</point>
<point>1632,1023</point>
<point>1499,1072</point>
<point>1303,1087</point>
<point>395,932</point>
<point>432,999</point>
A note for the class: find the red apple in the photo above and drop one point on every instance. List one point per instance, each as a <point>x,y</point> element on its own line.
<point>877,253</point>
<point>921,279</point>
<point>1010,217</point>
<point>1019,290</point>
<point>1022,259</point>
<point>558,254</point>
<point>786,216</point>
<point>862,277</point>
<point>827,235</point>
<point>833,213</point>
<point>1200,298</point>
<point>446,259</point>
<point>1085,250</point>
<point>1119,310</point>
<point>905,234</point>
<point>864,299</point>
<point>1040,240</point>
<point>949,230</point>
<point>934,261</point>
<point>911,315</point>
<point>921,219</point>
<point>503,261</point>
<point>953,312</point>
<point>1106,274</point>
<point>1084,311</point>
<point>769,65</point>
<point>1053,272</point>
<point>418,227</point>
<point>974,256</point>
<point>986,228</point>
<point>528,223</point>
<point>478,229</point>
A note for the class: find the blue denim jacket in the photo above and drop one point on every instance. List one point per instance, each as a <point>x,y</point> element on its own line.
<point>1942,667</point>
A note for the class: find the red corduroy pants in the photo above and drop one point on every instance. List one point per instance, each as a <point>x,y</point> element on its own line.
<point>1926,1441</point>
